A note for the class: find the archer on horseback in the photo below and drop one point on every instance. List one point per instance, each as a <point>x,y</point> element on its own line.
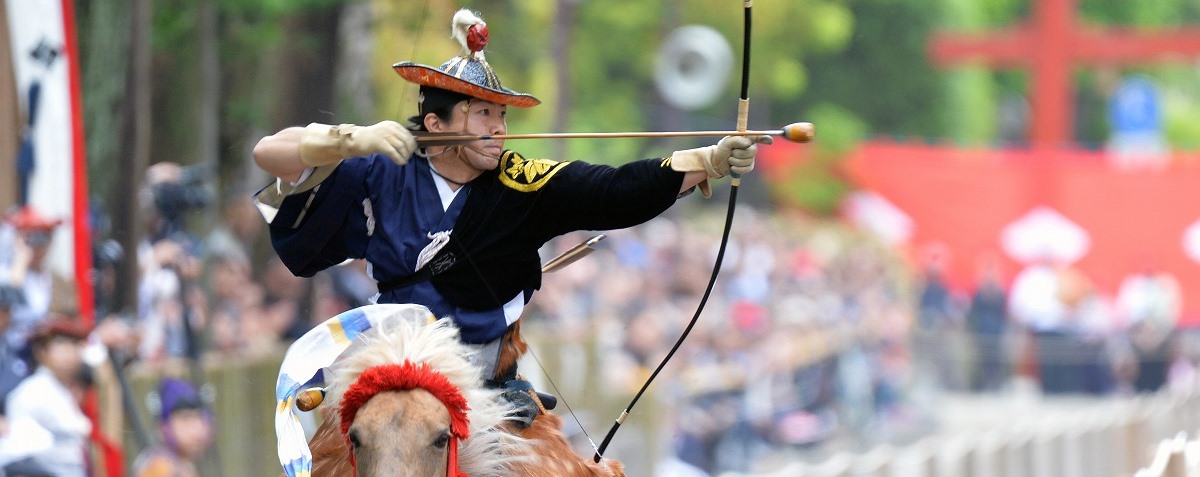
<point>457,228</point>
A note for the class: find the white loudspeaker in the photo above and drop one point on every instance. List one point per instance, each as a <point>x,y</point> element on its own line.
<point>693,67</point>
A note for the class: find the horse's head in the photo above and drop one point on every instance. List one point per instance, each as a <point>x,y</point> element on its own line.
<point>402,397</point>
<point>402,433</point>
<point>400,385</point>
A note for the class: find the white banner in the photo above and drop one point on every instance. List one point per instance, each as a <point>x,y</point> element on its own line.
<point>43,63</point>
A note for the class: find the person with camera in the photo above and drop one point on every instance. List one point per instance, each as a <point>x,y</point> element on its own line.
<point>170,306</point>
<point>457,228</point>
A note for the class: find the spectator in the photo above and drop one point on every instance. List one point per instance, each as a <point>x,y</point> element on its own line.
<point>12,368</point>
<point>168,299</point>
<point>31,272</point>
<point>49,397</point>
<point>229,284</point>
<point>987,320</point>
<point>940,323</point>
<point>1149,303</point>
<point>170,264</point>
<point>186,430</point>
<point>1037,303</point>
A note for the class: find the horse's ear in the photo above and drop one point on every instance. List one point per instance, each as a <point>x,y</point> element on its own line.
<point>310,398</point>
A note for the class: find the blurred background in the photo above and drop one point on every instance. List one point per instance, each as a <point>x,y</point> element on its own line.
<point>987,263</point>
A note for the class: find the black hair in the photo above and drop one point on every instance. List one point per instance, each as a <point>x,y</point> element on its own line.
<point>437,101</point>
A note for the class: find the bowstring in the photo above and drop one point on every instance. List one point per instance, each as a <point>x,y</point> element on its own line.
<point>743,110</point>
<point>563,399</point>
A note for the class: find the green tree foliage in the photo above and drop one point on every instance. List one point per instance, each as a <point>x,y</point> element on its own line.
<point>881,76</point>
<point>255,38</point>
<point>866,60</point>
<point>103,22</point>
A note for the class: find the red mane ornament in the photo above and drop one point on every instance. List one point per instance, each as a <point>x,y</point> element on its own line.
<point>403,377</point>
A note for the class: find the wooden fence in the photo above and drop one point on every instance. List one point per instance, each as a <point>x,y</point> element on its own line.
<point>243,403</point>
<point>1109,439</point>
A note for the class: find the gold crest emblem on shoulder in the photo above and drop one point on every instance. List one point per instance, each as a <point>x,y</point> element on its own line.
<point>527,175</point>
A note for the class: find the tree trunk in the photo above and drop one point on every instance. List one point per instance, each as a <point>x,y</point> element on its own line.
<point>564,26</point>
<point>135,147</point>
<point>306,75</point>
<point>209,120</point>
<point>10,119</point>
<point>354,93</point>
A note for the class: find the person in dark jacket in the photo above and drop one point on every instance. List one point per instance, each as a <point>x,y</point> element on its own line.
<point>457,228</point>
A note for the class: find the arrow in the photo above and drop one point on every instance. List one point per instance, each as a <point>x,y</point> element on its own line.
<point>795,132</point>
<point>571,256</point>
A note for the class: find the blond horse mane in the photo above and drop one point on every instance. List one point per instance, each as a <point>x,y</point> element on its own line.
<point>489,450</point>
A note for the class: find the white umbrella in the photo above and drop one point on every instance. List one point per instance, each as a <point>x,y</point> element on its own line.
<point>1044,234</point>
<point>872,212</point>
<point>1191,241</point>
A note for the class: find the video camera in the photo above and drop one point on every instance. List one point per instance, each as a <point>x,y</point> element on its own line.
<point>174,199</point>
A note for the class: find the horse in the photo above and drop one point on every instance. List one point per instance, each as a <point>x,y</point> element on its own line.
<point>407,400</point>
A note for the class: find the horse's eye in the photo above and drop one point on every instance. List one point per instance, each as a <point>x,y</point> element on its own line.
<point>442,440</point>
<point>354,440</point>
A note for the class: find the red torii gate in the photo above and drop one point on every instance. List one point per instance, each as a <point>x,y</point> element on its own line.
<point>1050,45</point>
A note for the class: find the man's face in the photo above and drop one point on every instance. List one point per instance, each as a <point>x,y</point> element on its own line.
<point>481,118</point>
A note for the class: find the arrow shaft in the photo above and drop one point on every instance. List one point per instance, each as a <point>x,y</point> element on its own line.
<point>428,139</point>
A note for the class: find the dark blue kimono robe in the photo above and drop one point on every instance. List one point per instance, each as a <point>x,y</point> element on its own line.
<point>370,208</point>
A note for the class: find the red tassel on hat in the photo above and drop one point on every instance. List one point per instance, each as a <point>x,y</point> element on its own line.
<point>477,37</point>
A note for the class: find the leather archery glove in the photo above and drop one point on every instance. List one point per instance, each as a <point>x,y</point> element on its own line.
<point>323,144</point>
<point>731,154</point>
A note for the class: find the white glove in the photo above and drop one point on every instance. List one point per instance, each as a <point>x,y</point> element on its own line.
<point>323,144</point>
<point>732,154</point>
<point>738,153</point>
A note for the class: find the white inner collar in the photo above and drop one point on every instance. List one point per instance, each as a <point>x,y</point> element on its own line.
<point>443,187</point>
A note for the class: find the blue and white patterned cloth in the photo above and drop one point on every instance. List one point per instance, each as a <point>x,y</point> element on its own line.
<point>303,367</point>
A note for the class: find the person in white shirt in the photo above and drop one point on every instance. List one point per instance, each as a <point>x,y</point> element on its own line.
<point>46,397</point>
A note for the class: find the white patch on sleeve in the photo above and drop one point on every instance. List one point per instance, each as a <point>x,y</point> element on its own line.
<point>370,213</point>
<point>271,197</point>
<point>514,308</point>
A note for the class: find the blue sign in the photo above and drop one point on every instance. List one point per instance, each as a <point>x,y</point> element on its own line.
<point>1135,108</point>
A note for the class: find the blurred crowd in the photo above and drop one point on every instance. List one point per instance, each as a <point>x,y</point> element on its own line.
<point>1055,327</point>
<point>196,294</point>
<point>804,340</point>
<point>803,319</point>
<point>813,334</point>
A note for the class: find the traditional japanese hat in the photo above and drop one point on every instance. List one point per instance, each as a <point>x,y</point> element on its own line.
<point>468,73</point>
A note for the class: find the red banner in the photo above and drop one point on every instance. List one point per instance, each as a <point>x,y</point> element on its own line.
<point>1136,220</point>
